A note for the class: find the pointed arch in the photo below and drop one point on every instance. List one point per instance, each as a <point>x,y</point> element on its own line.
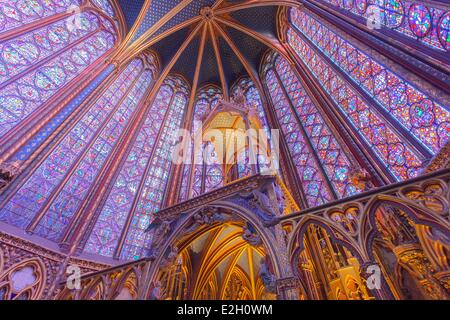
<point>418,214</point>
<point>126,286</point>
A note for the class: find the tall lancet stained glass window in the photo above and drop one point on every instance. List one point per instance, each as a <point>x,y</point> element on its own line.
<point>323,164</point>
<point>199,176</point>
<point>38,60</point>
<point>424,22</point>
<point>424,117</point>
<point>51,197</point>
<point>341,67</point>
<point>253,100</point>
<point>140,186</point>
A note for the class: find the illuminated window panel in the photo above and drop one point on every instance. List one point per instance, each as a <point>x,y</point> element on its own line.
<point>419,21</point>
<point>333,159</point>
<point>46,131</point>
<point>105,6</point>
<point>31,90</point>
<point>75,190</point>
<point>184,183</point>
<point>314,185</point>
<point>207,99</point>
<point>105,235</point>
<point>198,180</point>
<point>21,53</point>
<point>425,119</point>
<point>243,167</point>
<point>150,199</point>
<point>199,168</point>
<point>213,175</point>
<point>253,99</point>
<point>16,13</point>
<point>397,156</point>
<point>35,192</point>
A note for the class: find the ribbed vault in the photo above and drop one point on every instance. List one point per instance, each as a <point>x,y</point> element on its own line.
<point>216,263</point>
<point>207,41</point>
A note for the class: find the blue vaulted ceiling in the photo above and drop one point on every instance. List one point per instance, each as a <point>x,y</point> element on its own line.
<point>131,9</point>
<point>158,8</point>
<point>189,12</point>
<point>261,19</point>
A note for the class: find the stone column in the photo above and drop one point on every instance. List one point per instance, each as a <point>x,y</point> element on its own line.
<point>288,288</point>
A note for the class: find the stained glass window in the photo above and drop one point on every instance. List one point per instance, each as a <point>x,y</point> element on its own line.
<point>360,6</point>
<point>172,97</point>
<point>37,64</point>
<point>420,20</point>
<point>209,175</point>
<point>444,30</point>
<point>46,131</point>
<point>426,120</point>
<point>16,13</point>
<point>332,157</point>
<point>70,196</point>
<point>198,174</point>
<point>314,186</point>
<point>183,195</point>
<point>320,146</point>
<point>253,99</point>
<point>402,161</point>
<point>393,12</point>
<point>409,18</point>
<point>243,167</point>
<point>204,177</point>
<point>88,141</point>
<point>105,6</point>
<point>105,235</point>
<point>213,169</point>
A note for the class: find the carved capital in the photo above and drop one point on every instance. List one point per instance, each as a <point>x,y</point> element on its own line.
<point>251,236</point>
<point>287,288</point>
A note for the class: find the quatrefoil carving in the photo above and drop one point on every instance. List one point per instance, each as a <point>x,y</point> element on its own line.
<point>346,217</point>
<point>432,195</point>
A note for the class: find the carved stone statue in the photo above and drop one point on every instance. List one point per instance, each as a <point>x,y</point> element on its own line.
<point>156,293</point>
<point>251,236</point>
<point>268,279</point>
<point>171,257</point>
<point>173,254</point>
<point>263,202</point>
<point>280,198</point>
<point>160,229</point>
<point>239,97</point>
<point>206,216</point>
<point>161,232</point>
<point>218,216</point>
<point>360,178</point>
